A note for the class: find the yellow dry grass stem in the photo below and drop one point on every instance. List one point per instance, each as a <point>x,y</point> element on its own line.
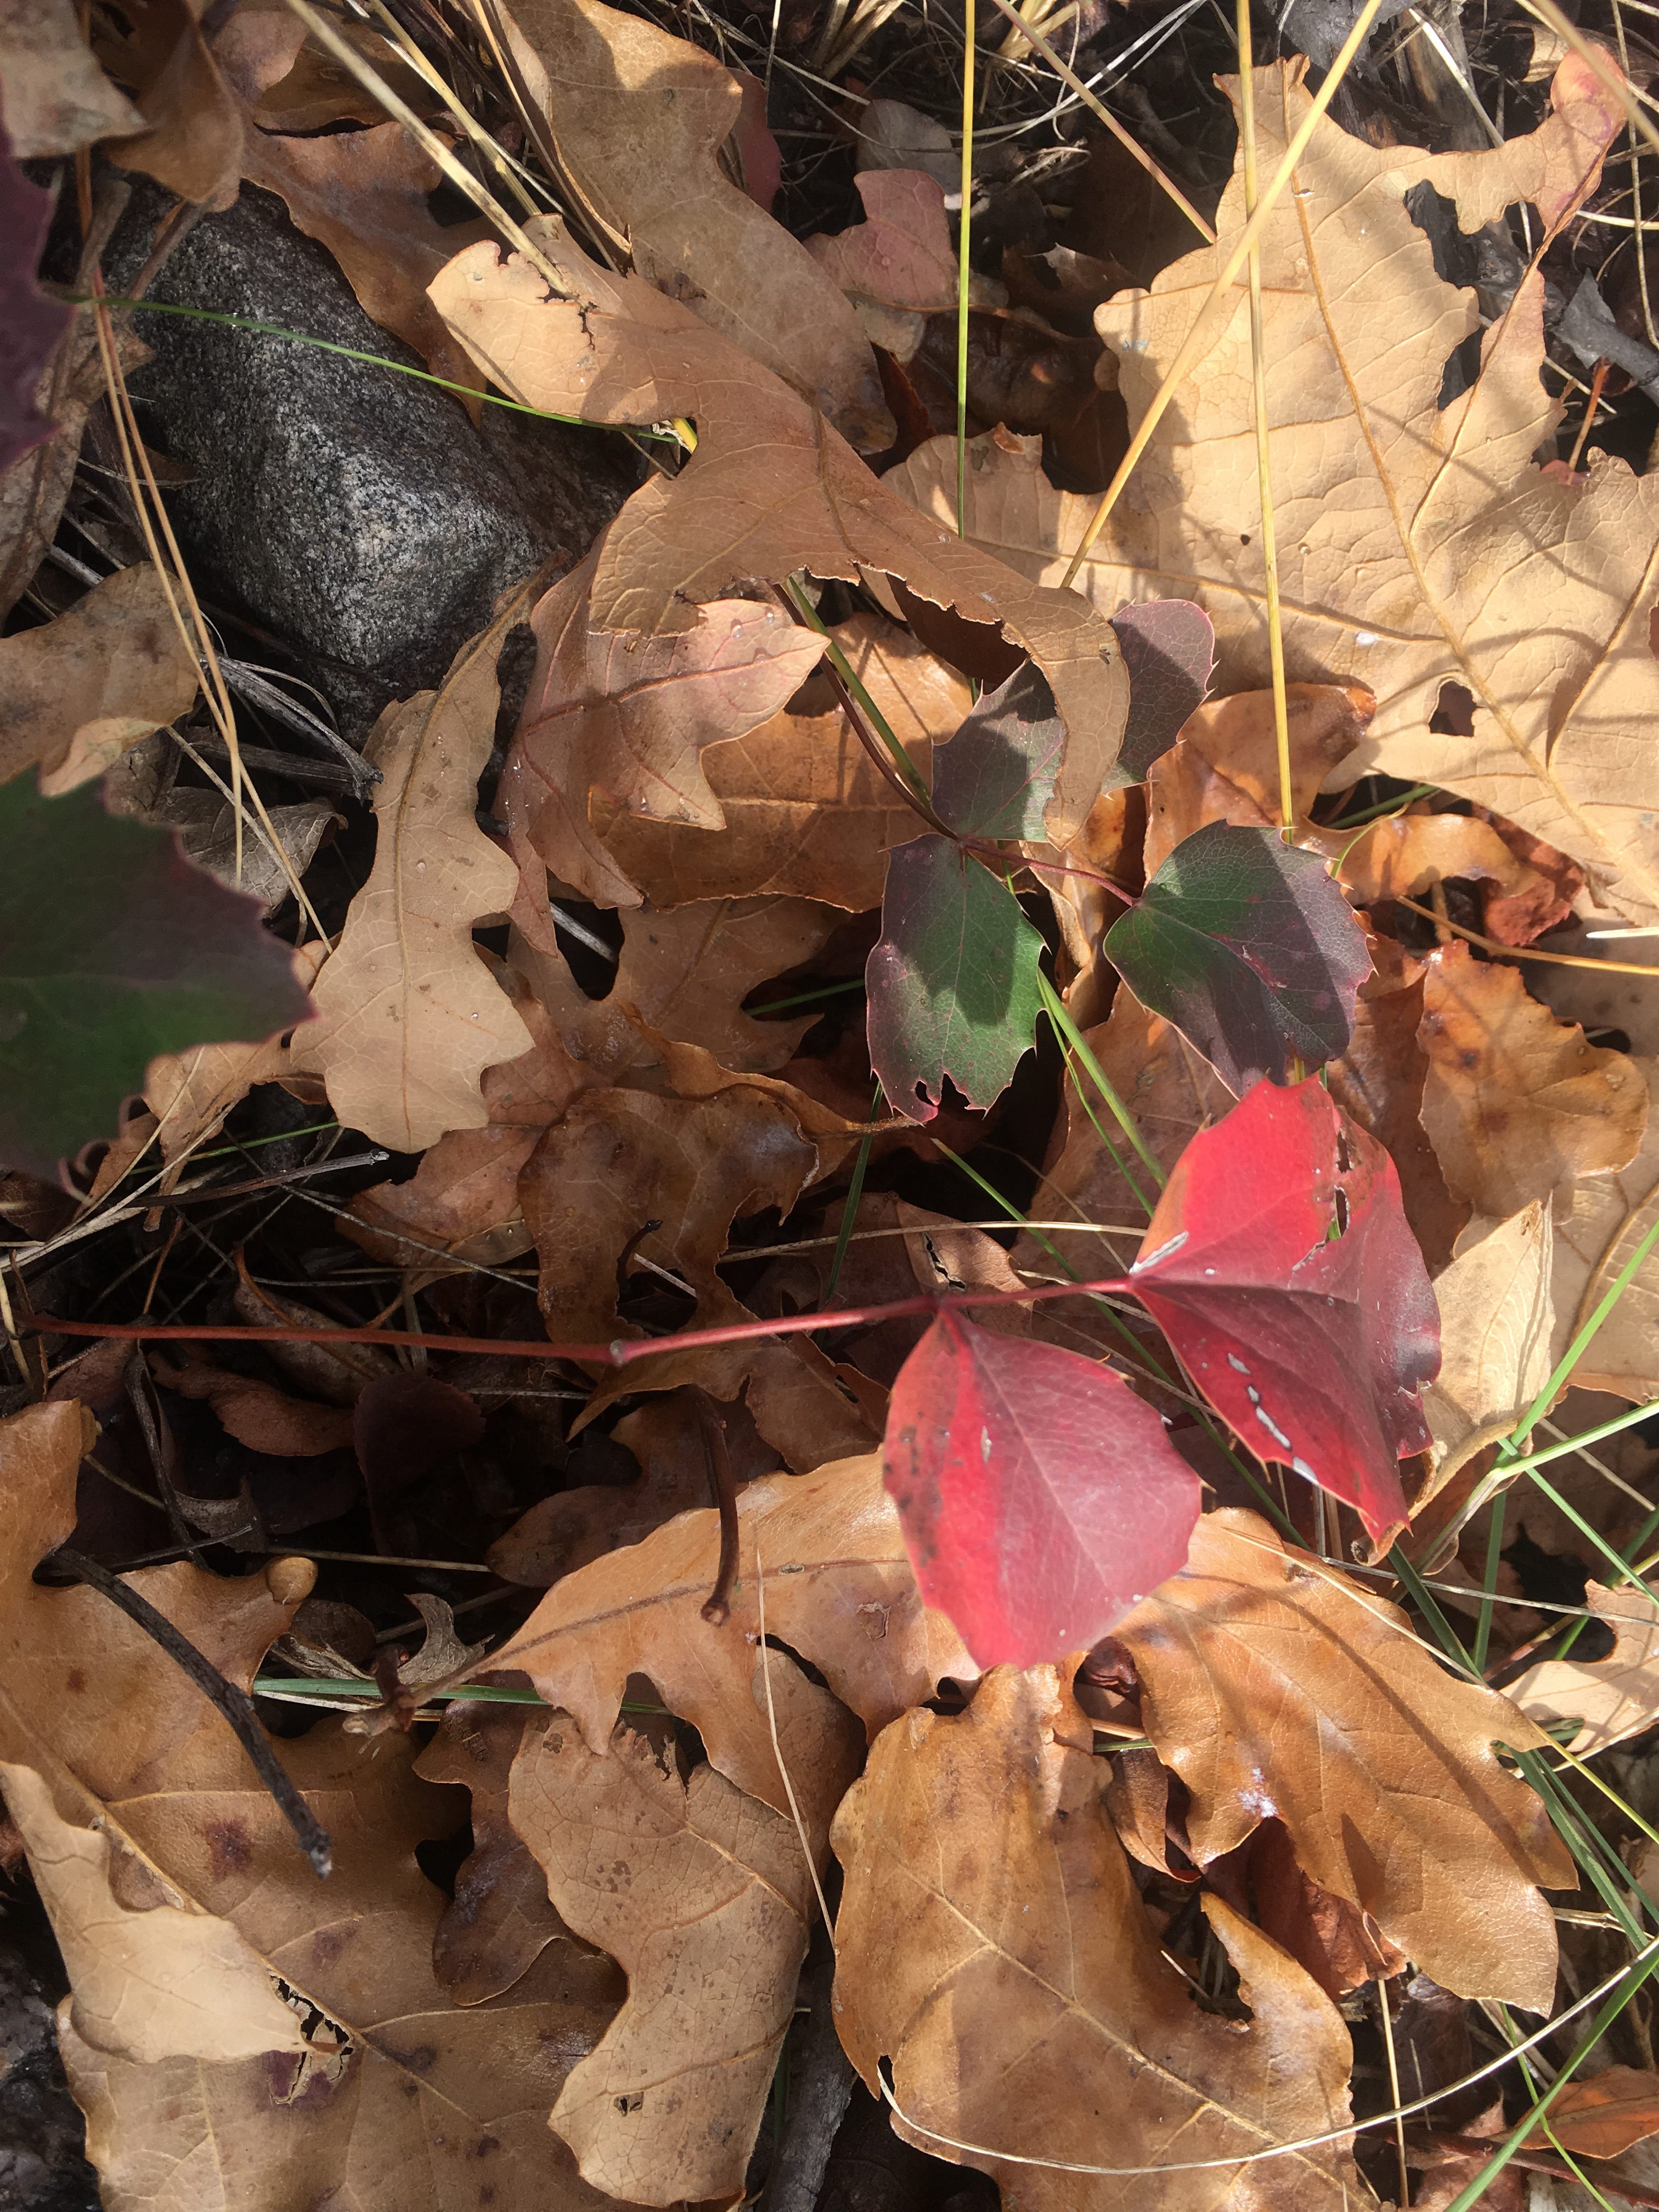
<point>1259,410</point>
<point>1528,951</point>
<point>1206,322</point>
<point>970,53</point>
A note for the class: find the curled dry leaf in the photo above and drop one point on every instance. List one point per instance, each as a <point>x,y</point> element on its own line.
<point>1497,1322</point>
<point>992,1947</point>
<point>1610,1698</point>
<point>703,1898</point>
<point>628,718</point>
<point>638,119</point>
<point>1271,1685</point>
<point>839,1591</point>
<point>408,1016</point>
<point>898,267</point>
<point>770,490</point>
<point>191,139</point>
<point>1406,854</point>
<point>1515,1101</point>
<point>1599,1221</point>
<point>259,1414</point>
<point>83,688</point>
<point>806,811</point>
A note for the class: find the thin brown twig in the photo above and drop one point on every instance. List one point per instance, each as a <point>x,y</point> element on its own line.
<point>718,1610</point>
<point>233,1705</point>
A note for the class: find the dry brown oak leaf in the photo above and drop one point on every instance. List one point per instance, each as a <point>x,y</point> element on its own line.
<point>83,688</point>
<point>182,1904</point>
<point>1224,767</point>
<point>500,1920</point>
<point>1515,1103</point>
<point>899,265</point>
<point>1271,1685</point>
<point>363,194</point>
<point>409,1017</point>
<point>56,98</point>
<point>772,489</point>
<point>705,1900</point>
<point>839,1591</point>
<point>1599,1221</point>
<point>620,1160</point>
<point>992,1947</point>
<point>1419,547</point>
<point>192,139</point>
<point>637,119</point>
<point>805,811</point>
<point>628,718</point>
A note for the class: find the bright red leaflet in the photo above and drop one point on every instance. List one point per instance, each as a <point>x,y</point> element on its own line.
<point>1279,1265</point>
<point>1041,1499</point>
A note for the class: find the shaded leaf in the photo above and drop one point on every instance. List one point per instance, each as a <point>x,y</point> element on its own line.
<point>639,118</point>
<point>1515,1101</point>
<point>256,1413</point>
<point>156,957</point>
<point>1603,2117</point>
<point>839,1592</point>
<point>703,1898</point>
<point>1497,1322</point>
<point>996,776</point>
<point>32,323</point>
<point>770,490</point>
<point>953,981</point>
<point>1039,1498</point>
<point>1271,1685</point>
<point>1247,945</point>
<point>992,1944</point>
<point>83,688</point>
<point>192,142</point>
<point>56,98</point>
<point>1599,1221</point>
<point>1279,1265</point>
<point>899,265</point>
<point>1169,649</point>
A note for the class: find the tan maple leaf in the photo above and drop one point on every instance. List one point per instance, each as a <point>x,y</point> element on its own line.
<point>1420,547</point>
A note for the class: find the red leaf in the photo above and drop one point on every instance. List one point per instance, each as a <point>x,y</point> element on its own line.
<point>1039,1498</point>
<point>1279,1265</point>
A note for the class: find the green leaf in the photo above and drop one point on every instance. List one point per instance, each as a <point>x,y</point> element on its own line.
<point>953,982</point>
<point>113,948</point>
<point>1249,948</point>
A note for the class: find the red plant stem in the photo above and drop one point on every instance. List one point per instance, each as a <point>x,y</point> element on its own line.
<point>619,1352</point>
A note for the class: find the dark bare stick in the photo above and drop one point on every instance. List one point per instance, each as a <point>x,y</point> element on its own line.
<point>224,1696</point>
<point>718,1611</point>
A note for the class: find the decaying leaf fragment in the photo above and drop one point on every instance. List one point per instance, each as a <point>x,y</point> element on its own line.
<point>1496,1320</point>
<point>1271,1686</point>
<point>770,489</point>
<point>992,1947</point>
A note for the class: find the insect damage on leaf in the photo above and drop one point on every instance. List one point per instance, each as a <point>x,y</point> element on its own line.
<point>1280,1266</point>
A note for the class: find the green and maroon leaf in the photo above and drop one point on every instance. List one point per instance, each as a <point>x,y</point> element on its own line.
<point>113,948</point>
<point>1169,649</point>
<point>1247,944</point>
<point>30,323</point>
<point>953,983</point>
<point>996,775</point>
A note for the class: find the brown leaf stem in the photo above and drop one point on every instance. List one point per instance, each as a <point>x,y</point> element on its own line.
<point>718,1610</point>
<point>233,1704</point>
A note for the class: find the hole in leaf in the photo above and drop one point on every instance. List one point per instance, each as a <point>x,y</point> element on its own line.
<point>1453,712</point>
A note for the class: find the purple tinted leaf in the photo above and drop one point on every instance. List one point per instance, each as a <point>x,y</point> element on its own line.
<point>953,982</point>
<point>1169,649</point>
<point>30,324</point>
<point>1249,948</point>
<point>997,774</point>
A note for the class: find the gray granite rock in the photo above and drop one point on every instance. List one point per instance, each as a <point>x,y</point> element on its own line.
<point>356,514</point>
